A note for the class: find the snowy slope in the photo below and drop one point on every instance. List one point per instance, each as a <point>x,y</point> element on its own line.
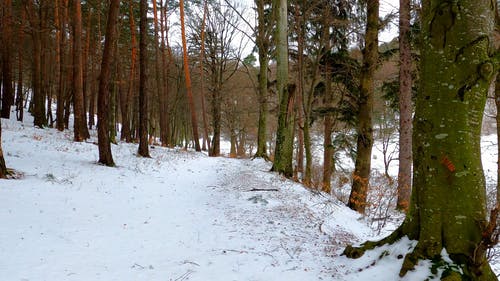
<point>177,216</point>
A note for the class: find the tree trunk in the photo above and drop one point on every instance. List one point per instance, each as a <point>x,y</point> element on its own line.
<point>262,129</point>
<point>194,122</point>
<point>405,107</point>
<point>20,94</point>
<point>164,108</point>
<point>206,138</point>
<point>328,148</point>
<point>3,167</point>
<point>448,203</point>
<point>497,102</point>
<point>126,101</point>
<point>7,79</point>
<point>303,134</point>
<point>38,93</point>
<point>160,91</point>
<point>105,156</point>
<point>59,63</point>
<point>361,175</point>
<point>143,93</point>
<point>216,118</point>
<point>80,128</point>
<point>283,155</point>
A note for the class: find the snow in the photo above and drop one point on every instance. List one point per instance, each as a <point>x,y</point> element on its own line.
<point>178,215</point>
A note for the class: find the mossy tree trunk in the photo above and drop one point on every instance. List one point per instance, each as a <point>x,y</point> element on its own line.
<point>283,154</point>
<point>361,175</point>
<point>448,204</point>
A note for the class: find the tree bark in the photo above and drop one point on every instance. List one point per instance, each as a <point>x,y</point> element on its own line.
<point>405,107</point>
<point>20,58</point>
<point>206,138</point>
<point>143,92</point>
<point>448,203</point>
<point>35,16</point>
<point>328,149</point>
<point>262,42</point>
<point>497,102</point>
<point>283,154</point>
<point>126,101</point>
<point>105,156</point>
<point>361,175</point>
<point>194,122</point>
<point>7,79</point>
<point>80,128</point>
<point>3,167</point>
<point>58,18</point>
<point>164,108</point>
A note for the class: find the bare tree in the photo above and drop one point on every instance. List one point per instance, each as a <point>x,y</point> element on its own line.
<point>221,59</point>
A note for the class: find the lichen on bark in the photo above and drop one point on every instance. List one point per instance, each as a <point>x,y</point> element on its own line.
<point>448,203</point>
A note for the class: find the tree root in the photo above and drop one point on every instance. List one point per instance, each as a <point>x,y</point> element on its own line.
<point>462,268</point>
<point>357,252</point>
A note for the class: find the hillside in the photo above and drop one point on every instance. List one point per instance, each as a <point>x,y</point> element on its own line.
<point>179,215</point>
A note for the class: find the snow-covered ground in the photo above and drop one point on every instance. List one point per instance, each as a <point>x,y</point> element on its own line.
<point>179,215</point>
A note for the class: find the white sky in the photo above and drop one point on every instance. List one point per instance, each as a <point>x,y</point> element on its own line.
<point>386,6</point>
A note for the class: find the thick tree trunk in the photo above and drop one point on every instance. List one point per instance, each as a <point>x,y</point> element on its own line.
<point>7,79</point>
<point>361,175</point>
<point>80,128</point>
<point>448,203</point>
<point>405,107</point>
<point>38,100</point>
<point>143,93</point>
<point>194,122</point>
<point>284,136</point>
<point>105,156</point>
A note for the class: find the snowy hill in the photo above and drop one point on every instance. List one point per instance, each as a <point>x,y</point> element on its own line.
<point>176,216</point>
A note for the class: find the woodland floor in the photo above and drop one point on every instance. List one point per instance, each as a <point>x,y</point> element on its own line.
<point>179,215</point>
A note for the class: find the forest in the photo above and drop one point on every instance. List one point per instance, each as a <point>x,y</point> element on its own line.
<point>279,96</point>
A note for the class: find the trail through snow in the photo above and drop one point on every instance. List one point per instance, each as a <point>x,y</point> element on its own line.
<point>179,215</point>
<point>176,216</point>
